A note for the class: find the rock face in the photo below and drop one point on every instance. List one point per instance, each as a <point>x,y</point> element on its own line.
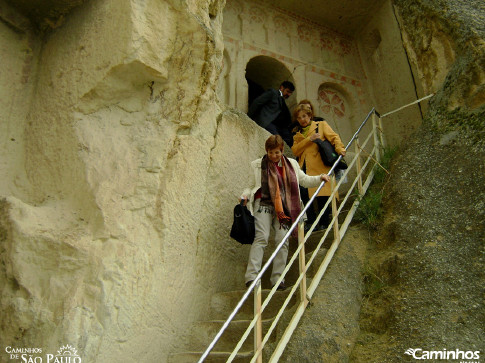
<point>428,258</point>
<point>445,45</point>
<point>119,167</point>
<point>119,174</point>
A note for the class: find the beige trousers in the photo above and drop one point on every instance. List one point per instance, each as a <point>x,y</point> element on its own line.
<point>264,219</point>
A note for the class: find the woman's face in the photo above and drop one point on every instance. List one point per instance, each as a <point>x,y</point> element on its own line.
<point>275,155</point>
<point>303,119</point>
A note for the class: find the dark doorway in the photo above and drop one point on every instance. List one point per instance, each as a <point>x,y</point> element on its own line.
<point>264,72</point>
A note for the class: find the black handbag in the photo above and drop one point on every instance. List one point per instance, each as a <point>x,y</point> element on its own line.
<point>243,225</point>
<point>329,155</point>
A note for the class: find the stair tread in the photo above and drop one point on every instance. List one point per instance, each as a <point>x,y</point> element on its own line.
<point>232,321</point>
<point>215,352</point>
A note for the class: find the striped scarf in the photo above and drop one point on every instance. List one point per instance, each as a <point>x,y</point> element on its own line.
<point>282,190</point>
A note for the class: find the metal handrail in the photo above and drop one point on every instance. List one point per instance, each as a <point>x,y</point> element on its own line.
<point>257,279</point>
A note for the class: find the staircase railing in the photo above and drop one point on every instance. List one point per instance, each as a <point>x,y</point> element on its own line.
<point>306,293</point>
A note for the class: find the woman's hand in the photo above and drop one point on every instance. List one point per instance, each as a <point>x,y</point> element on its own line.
<point>324,177</point>
<point>245,200</point>
<point>343,152</point>
<point>314,136</point>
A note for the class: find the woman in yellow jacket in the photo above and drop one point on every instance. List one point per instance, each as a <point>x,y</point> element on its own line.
<point>308,154</point>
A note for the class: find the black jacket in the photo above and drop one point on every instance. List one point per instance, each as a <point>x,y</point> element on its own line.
<point>266,108</point>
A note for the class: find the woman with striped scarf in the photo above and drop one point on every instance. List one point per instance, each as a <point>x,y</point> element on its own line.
<point>274,201</point>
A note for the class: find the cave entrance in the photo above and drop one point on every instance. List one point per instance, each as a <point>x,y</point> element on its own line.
<point>263,72</point>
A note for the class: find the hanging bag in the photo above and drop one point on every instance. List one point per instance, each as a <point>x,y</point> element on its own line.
<point>243,225</point>
<point>328,154</point>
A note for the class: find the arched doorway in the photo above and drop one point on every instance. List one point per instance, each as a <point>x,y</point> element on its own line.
<point>263,72</point>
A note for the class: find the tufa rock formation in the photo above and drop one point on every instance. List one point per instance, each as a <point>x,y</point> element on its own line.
<point>117,174</point>
<point>120,166</point>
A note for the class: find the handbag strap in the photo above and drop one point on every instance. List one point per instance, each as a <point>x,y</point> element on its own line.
<point>318,130</point>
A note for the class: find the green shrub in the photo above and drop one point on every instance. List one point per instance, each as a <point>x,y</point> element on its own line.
<point>382,171</point>
<point>369,210</point>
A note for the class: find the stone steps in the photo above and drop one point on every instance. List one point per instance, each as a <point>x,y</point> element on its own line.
<point>221,306</point>
<point>213,357</point>
<point>204,331</point>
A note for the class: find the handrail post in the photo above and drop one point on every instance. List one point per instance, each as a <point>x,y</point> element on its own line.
<point>358,164</point>
<point>302,263</point>
<point>376,137</point>
<point>258,327</point>
<point>381,130</point>
<point>336,231</point>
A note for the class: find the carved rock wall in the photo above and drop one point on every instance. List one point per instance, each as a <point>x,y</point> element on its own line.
<point>343,75</point>
<point>269,45</point>
<point>389,77</point>
<point>445,43</point>
<point>119,175</point>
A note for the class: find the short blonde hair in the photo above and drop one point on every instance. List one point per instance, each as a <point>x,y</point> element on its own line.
<point>307,102</point>
<point>303,107</point>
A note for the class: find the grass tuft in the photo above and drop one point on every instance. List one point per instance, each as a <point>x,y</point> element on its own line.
<point>370,205</point>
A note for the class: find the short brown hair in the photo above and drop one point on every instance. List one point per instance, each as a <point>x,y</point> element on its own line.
<point>273,142</point>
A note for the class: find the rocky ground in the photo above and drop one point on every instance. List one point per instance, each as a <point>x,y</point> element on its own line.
<point>425,288</point>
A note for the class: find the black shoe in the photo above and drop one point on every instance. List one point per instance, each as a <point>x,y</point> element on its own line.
<point>307,227</point>
<point>281,287</point>
<point>249,283</point>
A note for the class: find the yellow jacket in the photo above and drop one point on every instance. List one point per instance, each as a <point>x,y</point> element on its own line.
<point>308,153</point>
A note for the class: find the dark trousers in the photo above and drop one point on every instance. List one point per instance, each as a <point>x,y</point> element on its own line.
<point>282,131</point>
<point>320,203</point>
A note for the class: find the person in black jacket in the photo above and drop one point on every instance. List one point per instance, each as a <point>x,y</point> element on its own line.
<point>269,111</point>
